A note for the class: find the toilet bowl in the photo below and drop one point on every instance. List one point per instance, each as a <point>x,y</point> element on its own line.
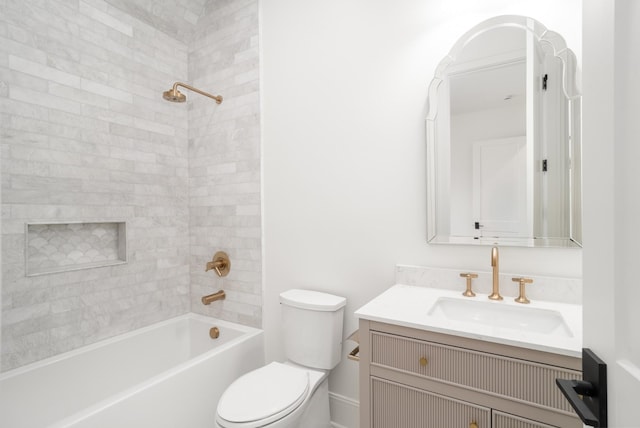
<point>278,395</point>
<point>293,394</point>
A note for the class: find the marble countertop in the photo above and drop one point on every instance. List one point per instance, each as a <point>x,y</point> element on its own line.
<point>411,306</point>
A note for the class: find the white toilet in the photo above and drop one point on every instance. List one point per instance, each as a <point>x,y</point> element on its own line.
<point>294,393</point>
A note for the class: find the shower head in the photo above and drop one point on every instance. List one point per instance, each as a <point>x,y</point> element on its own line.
<point>175,96</point>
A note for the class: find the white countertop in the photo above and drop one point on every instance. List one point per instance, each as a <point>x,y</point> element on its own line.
<point>409,306</point>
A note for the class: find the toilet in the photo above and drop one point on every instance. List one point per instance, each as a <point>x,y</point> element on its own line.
<point>294,393</point>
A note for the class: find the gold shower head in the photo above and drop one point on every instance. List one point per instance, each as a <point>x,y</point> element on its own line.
<point>175,96</point>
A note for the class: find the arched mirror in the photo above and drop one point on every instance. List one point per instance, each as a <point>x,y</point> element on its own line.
<point>503,139</point>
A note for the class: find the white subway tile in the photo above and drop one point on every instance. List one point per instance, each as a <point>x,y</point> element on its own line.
<point>107,91</point>
<point>154,127</point>
<point>44,99</point>
<point>78,95</point>
<point>43,71</point>
<point>105,18</point>
<point>11,47</point>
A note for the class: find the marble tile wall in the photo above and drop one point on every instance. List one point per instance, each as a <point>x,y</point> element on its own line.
<point>176,18</point>
<point>87,137</point>
<point>224,160</point>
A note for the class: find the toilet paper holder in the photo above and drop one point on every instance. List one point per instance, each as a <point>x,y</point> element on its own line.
<point>354,355</point>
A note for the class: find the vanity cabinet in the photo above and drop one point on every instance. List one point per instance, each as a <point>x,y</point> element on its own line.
<point>414,378</point>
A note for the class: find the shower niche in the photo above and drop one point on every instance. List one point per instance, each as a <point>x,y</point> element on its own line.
<point>61,247</point>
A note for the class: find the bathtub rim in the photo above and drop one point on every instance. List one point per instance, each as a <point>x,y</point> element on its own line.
<point>104,342</point>
<point>248,333</point>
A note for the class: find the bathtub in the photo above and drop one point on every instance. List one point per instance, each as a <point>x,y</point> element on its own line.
<point>170,374</point>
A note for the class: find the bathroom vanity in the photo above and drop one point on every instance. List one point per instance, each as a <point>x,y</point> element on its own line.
<point>425,363</point>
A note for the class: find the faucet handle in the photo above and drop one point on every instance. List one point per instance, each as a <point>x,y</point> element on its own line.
<point>220,263</point>
<point>522,298</point>
<point>470,276</point>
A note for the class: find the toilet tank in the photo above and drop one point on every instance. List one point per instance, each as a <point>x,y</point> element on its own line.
<point>312,327</point>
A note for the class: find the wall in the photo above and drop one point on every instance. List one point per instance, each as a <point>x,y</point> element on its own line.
<point>224,160</point>
<point>611,198</point>
<point>86,136</point>
<point>344,88</point>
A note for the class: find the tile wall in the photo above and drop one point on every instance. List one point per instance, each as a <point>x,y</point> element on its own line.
<point>86,137</point>
<point>224,160</point>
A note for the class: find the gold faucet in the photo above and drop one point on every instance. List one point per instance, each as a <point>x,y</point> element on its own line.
<point>495,294</point>
<point>208,299</point>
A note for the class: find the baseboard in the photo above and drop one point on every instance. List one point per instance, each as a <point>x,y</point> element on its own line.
<point>344,411</point>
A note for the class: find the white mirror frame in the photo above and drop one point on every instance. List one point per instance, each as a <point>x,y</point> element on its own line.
<point>571,87</point>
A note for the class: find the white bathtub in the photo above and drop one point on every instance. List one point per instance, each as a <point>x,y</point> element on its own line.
<point>170,374</point>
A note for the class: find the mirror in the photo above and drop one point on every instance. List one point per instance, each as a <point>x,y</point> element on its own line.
<point>503,139</point>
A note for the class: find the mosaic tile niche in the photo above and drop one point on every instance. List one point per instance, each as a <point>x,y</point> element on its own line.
<point>64,247</point>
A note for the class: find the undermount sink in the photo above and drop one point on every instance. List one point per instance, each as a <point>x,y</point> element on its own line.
<point>501,315</point>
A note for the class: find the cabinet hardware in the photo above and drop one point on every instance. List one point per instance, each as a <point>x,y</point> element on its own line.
<point>423,361</point>
<point>473,425</point>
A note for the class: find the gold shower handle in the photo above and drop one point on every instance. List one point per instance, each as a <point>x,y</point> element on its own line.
<point>215,265</point>
<point>220,263</point>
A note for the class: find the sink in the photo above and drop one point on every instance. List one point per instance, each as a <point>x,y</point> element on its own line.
<point>501,315</point>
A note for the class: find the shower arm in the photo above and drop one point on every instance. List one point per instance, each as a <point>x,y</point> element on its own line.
<point>218,98</point>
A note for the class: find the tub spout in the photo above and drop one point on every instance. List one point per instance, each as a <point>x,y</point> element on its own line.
<point>208,299</point>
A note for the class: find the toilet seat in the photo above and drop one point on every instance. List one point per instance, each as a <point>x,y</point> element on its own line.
<point>263,396</point>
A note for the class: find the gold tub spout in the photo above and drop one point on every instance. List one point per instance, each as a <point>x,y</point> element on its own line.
<point>218,295</point>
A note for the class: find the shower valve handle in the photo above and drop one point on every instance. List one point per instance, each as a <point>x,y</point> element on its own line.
<point>220,263</point>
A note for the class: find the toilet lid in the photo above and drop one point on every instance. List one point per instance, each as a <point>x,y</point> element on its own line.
<point>273,390</point>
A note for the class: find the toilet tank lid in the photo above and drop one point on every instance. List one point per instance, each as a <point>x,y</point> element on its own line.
<point>313,300</point>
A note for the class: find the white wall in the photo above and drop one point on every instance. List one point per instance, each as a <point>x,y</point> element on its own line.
<point>344,87</point>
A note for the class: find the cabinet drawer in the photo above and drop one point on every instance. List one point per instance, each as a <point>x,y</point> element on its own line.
<point>510,378</point>
<point>396,405</point>
<point>505,420</point>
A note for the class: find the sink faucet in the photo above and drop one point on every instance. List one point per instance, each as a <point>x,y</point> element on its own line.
<point>495,294</point>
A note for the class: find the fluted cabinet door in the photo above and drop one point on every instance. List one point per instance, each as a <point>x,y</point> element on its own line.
<point>511,378</point>
<point>394,405</point>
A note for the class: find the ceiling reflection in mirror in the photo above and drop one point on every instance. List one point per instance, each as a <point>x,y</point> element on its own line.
<point>503,139</point>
